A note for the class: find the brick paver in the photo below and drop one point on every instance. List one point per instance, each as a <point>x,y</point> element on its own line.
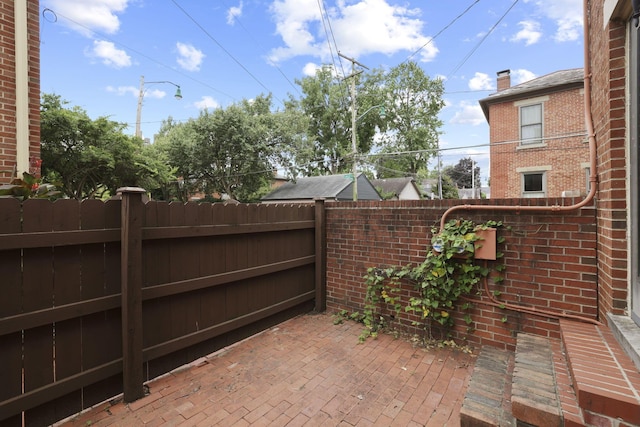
<point>304,372</point>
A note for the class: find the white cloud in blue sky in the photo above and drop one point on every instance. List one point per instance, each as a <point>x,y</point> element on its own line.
<point>529,32</point>
<point>233,13</point>
<point>96,15</point>
<point>189,57</point>
<point>109,54</point>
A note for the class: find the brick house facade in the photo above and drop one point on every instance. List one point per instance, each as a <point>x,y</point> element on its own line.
<point>537,136</point>
<point>20,89</point>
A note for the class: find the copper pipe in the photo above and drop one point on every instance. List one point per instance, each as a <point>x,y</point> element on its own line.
<point>592,149</point>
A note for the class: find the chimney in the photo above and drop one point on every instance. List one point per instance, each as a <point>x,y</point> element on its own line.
<point>504,80</point>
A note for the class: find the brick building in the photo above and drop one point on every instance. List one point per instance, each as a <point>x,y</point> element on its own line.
<point>20,89</point>
<point>614,43</point>
<point>537,136</point>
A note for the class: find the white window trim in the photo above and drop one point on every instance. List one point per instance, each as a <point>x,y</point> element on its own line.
<point>528,103</point>
<point>533,194</point>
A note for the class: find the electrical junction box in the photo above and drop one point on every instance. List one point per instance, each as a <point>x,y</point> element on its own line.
<point>485,248</point>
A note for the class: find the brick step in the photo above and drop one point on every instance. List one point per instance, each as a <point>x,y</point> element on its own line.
<point>486,402</point>
<point>534,397</point>
<point>606,382</point>
<point>505,384</point>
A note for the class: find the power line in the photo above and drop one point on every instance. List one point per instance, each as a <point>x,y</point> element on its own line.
<point>224,49</point>
<point>257,42</point>
<point>472,51</point>
<point>441,31</point>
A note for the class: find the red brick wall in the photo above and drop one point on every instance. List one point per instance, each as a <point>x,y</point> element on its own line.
<point>609,116</point>
<point>563,115</point>
<point>550,258</point>
<point>8,86</point>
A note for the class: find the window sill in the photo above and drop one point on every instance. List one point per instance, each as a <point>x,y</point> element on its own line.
<point>531,146</point>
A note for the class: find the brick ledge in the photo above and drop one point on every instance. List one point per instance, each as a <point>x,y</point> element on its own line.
<point>627,333</point>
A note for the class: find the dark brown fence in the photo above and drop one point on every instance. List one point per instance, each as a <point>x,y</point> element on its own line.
<point>191,278</point>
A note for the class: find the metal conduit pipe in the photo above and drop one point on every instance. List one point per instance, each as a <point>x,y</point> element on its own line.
<point>554,208</point>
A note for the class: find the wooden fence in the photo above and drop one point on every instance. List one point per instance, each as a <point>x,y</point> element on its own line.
<point>98,297</point>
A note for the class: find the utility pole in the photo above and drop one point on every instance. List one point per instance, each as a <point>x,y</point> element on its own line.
<point>354,119</point>
<point>473,179</point>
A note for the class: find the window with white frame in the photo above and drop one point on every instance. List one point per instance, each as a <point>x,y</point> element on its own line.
<point>531,124</point>
<point>534,184</point>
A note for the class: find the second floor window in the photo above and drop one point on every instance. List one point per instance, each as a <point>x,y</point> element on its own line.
<point>531,124</point>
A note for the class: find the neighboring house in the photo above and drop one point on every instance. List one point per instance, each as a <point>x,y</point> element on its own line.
<point>398,188</point>
<point>330,187</point>
<point>537,136</point>
<point>20,89</point>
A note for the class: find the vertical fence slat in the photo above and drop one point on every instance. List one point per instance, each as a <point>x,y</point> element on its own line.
<point>66,288</point>
<point>101,336</point>
<point>131,279</point>
<point>320,250</point>
<point>38,294</point>
<point>10,304</point>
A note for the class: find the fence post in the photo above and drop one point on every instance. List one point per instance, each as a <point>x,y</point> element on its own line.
<point>132,211</point>
<point>321,255</point>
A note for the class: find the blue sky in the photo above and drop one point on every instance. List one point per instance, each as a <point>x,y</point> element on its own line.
<point>93,52</point>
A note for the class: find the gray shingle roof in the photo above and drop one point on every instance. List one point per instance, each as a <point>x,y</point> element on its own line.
<point>328,187</point>
<point>392,185</point>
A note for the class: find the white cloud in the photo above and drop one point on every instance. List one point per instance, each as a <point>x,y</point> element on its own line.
<point>123,90</point>
<point>468,114</point>
<point>310,69</point>
<point>207,102</point>
<point>189,57</point>
<point>359,28</point>
<point>481,81</point>
<point>530,32</point>
<point>233,13</point>
<point>135,91</point>
<point>91,15</point>
<point>567,15</point>
<point>109,54</point>
<point>521,75</point>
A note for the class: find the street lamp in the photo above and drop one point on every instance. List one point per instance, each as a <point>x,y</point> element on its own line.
<point>178,96</point>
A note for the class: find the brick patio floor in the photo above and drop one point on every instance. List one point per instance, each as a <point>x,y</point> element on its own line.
<point>304,372</point>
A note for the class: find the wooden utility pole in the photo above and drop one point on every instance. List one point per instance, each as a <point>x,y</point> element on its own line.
<point>354,119</point>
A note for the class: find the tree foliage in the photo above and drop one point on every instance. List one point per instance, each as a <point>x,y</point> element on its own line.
<point>88,158</point>
<point>326,102</point>
<point>413,101</point>
<point>464,172</point>
<point>230,151</point>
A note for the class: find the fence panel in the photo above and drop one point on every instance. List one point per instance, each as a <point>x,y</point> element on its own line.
<point>211,274</point>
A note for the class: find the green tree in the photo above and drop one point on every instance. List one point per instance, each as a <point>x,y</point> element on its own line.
<point>229,151</point>
<point>413,103</point>
<point>464,173</point>
<point>89,158</point>
<point>326,102</point>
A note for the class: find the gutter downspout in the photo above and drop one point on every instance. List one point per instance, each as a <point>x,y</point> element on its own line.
<point>22,86</point>
<point>555,208</point>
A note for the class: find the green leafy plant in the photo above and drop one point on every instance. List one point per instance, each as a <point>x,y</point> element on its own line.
<point>448,272</point>
<point>28,187</point>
